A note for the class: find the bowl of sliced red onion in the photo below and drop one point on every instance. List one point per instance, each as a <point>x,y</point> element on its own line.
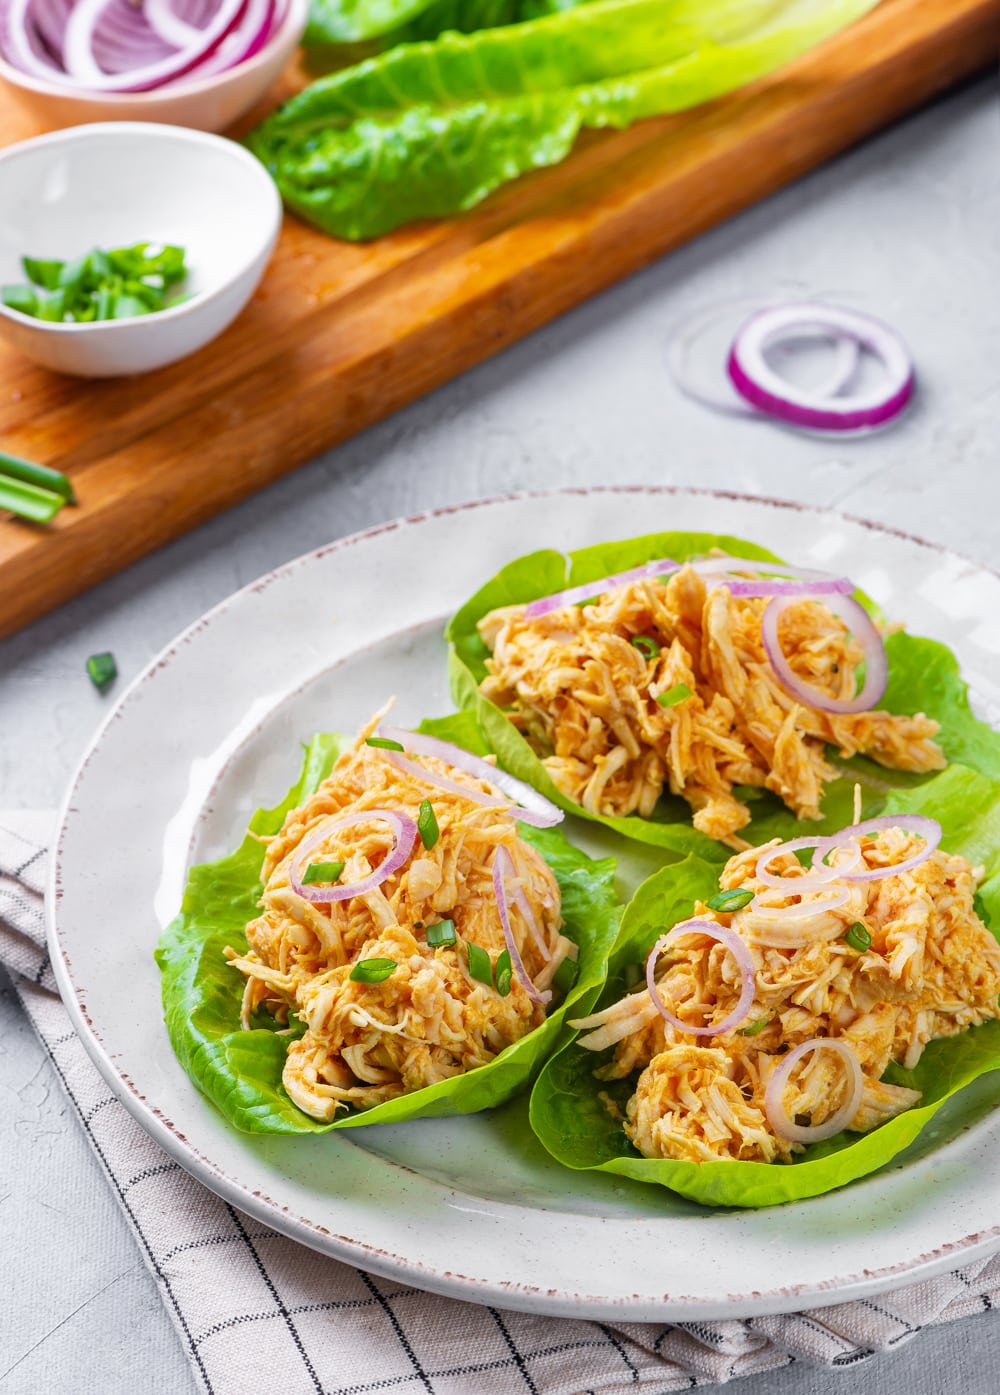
<point>126,246</point>
<point>200,63</point>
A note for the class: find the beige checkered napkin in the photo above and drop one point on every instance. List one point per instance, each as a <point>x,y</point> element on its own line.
<point>256,1312</point>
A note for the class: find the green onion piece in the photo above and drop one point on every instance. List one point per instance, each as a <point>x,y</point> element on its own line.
<point>52,307</point>
<point>647,645</point>
<point>102,671</point>
<point>858,937</point>
<point>21,298</point>
<point>372,970</point>
<point>979,906</point>
<point>754,1027</point>
<point>441,933</point>
<point>41,476</point>
<point>127,307</point>
<point>322,872</point>
<point>730,900</point>
<point>427,824</point>
<point>383,743</point>
<point>27,501</point>
<point>480,964</point>
<point>674,695</point>
<point>504,972</point>
<point>567,974</point>
<point>42,272</point>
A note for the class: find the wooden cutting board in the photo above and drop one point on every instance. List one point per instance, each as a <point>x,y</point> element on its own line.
<point>339,336</point>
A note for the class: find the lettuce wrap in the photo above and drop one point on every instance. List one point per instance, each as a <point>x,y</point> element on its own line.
<point>923,677</point>
<point>240,1071</point>
<point>569,1117</point>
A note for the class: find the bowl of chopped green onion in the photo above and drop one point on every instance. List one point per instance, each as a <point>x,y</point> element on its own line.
<point>127,246</point>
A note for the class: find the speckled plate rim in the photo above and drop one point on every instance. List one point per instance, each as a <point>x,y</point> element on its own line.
<point>883,1231</point>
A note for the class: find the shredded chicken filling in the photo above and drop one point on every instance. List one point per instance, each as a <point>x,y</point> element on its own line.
<point>430,1019</point>
<point>932,970</point>
<point>585,697</point>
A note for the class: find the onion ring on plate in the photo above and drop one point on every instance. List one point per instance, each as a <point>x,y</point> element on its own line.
<point>744,963</point>
<point>777,1115</point>
<point>928,829</point>
<point>821,872</point>
<point>529,806</point>
<point>504,872</point>
<point>863,628</point>
<point>587,589</point>
<point>802,581</point>
<point>404,831</point>
<point>805,908</point>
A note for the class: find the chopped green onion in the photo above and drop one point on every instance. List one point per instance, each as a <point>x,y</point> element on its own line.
<point>42,272</point>
<point>102,671</point>
<point>28,501</point>
<point>504,972</point>
<point>674,695</point>
<point>441,933</point>
<point>383,743</point>
<point>322,872</point>
<point>480,964</point>
<point>427,824</point>
<point>730,900</point>
<point>20,298</point>
<point>858,937</point>
<point>41,476</point>
<point>754,1027</point>
<point>647,645</point>
<point>372,970</point>
<point>567,974</point>
<point>117,284</point>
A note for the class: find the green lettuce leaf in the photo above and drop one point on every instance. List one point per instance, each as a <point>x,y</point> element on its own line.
<point>572,1123</point>
<point>240,1071</point>
<point>355,29</point>
<point>923,677</point>
<point>430,128</point>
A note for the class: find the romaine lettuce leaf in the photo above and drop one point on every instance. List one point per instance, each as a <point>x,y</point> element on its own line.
<point>571,1121</point>
<point>240,1072</point>
<point>923,677</point>
<point>339,28</point>
<point>427,129</point>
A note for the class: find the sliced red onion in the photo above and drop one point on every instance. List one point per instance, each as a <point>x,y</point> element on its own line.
<point>822,871</point>
<point>530,806</point>
<point>503,872</point>
<point>163,19</point>
<point>724,571</point>
<point>763,388</point>
<point>247,38</point>
<point>82,66</point>
<point>597,588</point>
<point>804,908</point>
<point>928,829</point>
<point>777,1115</point>
<point>863,629</point>
<point>405,833</point>
<point>744,963</point>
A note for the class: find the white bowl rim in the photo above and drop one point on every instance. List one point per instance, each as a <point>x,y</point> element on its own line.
<point>293,22</point>
<point>152,131</point>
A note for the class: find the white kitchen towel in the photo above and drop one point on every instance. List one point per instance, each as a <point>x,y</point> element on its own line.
<point>257,1312</point>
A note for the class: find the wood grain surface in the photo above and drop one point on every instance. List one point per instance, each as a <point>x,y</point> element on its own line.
<point>340,335</point>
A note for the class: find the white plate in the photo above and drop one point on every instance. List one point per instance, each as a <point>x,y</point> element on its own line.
<point>210,731</point>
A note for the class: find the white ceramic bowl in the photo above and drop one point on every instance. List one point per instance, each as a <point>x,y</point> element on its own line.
<point>207,104</point>
<point>113,185</point>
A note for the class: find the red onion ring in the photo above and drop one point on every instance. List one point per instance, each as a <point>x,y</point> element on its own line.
<point>529,806</point>
<point>722,396</point>
<point>777,1115</point>
<point>744,963</point>
<point>863,629</point>
<point>596,588</point>
<point>803,909</point>
<point>757,382</point>
<point>722,571</point>
<point>83,69</point>
<point>503,872</point>
<point>404,829</point>
<point>929,829</point>
<point>822,871</point>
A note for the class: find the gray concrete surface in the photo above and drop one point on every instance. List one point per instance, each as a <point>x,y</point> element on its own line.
<point>908,227</point>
